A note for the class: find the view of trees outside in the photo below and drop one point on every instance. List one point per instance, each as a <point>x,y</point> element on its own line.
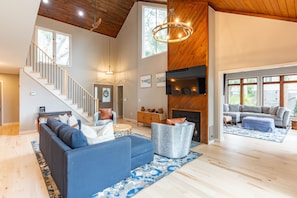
<point>271,96</point>
<point>45,42</point>
<point>271,91</point>
<point>234,94</point>
<point>62,49</point>
<point>55,45</point>
<point>152,16</point>
<point>290,94</point>
<point>249,91</point>
<point>250,95</point>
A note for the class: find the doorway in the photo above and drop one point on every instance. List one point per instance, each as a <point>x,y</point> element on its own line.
<point>104,93</point>
<point>120,101</point>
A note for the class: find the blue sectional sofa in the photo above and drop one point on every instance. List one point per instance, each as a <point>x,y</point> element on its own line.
<point>80,170</point>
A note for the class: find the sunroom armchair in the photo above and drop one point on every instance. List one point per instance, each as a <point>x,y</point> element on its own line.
<point>105,116</point>
<point>172,141</point>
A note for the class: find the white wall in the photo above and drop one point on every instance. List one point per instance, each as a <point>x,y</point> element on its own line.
<point>211,71</point>
<point>90,60</point>
<point>90,53</point>
<point>153,97</point>
<point>30,104</point>
<point>246,43</point>
<point>250,42</point>
<point>130,67</point>
<point>17,22</point>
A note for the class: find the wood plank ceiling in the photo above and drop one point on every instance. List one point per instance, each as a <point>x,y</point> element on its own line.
<point>114,12</point>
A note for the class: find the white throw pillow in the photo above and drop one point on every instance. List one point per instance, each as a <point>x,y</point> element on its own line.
<point>64,118</point>
<point>98,134</point>
<point>72,121</point>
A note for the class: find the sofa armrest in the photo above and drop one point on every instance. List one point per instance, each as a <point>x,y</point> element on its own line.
<point>286,118</point>
<point>93,168</point>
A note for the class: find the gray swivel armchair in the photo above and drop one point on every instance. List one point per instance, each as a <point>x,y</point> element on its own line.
<point>172,141</point>
<point>99,122</point>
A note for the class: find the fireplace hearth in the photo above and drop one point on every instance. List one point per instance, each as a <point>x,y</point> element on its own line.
<point>191,116</point>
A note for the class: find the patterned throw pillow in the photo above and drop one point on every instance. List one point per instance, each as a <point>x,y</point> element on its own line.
<point>105,113</point>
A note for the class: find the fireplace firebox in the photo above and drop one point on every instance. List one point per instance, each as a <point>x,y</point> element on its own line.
<point>191,116</point>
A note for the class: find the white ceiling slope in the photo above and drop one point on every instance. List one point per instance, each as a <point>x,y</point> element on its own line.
<point>17,20</point>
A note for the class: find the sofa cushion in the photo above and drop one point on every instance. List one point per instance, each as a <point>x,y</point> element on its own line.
<point>273,110</point>
<point>54,124</point>
<point>266,110</point>
<point>105,113</point>
<point>280,112</point>
<point>72,137</point>
<point>255,109</point>
<point>140,145</point>
<point>225,107</point>
<point>234,107</point>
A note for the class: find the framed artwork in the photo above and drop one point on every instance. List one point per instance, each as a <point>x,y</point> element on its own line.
<point>146,81</point>
<point>160,80</point>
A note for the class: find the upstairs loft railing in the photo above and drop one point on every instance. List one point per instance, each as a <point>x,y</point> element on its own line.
<point>58,76</point>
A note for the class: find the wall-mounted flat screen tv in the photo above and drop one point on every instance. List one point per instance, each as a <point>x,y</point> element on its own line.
<point>188,81</point>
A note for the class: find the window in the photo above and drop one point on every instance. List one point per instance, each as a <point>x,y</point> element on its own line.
<point>234,91</point>
<point>271,91</point>
<point>250,91</point>
<point>242,91</point>
<point>151,17</point>
<point>55,44</point>
<point>290,93</point>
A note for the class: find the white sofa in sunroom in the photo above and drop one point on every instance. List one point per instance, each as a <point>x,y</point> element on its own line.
<point>281,115</point>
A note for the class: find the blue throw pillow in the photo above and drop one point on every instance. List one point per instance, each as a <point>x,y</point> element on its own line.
<point>54,124</point>
<point>72,137</point>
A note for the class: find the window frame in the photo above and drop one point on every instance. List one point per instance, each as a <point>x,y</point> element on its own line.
<point>54,44</point>
<point>142,38</point>
<point>241,85</point>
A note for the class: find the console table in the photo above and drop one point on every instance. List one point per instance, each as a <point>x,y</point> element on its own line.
<point>146,117</point>
<point>46,115</point>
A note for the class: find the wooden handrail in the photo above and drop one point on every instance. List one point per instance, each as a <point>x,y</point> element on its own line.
<point>59,77</point>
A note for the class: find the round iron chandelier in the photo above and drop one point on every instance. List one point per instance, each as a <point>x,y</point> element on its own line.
<point>172,31</point>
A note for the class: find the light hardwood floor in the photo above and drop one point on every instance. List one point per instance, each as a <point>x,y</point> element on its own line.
<point>236,167</point>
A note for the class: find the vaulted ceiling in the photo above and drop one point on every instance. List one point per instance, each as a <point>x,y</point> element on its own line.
<point>114,12</point>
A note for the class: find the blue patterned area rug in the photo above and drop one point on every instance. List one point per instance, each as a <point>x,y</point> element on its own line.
<point>278,135</point>
<point>139,178</point>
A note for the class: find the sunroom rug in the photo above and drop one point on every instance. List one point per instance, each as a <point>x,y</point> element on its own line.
<point>139,178</point>
<point>278,135</point>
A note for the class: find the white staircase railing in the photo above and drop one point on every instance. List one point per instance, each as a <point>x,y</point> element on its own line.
<point>58,77</point>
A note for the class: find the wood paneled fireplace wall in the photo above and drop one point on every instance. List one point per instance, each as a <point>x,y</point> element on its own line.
<point>189,53</point>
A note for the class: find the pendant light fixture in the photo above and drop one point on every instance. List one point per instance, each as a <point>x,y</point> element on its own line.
<point>109,72</point>
<point>172,31</point>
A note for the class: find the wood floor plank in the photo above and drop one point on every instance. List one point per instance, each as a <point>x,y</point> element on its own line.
<point>236,167</point>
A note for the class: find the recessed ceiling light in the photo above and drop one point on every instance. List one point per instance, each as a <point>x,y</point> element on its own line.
<point>80,13</point>
<point>45,1</point>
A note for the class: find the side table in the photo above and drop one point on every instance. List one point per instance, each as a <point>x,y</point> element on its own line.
<point>122,129</point>
<point>294,124</point>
